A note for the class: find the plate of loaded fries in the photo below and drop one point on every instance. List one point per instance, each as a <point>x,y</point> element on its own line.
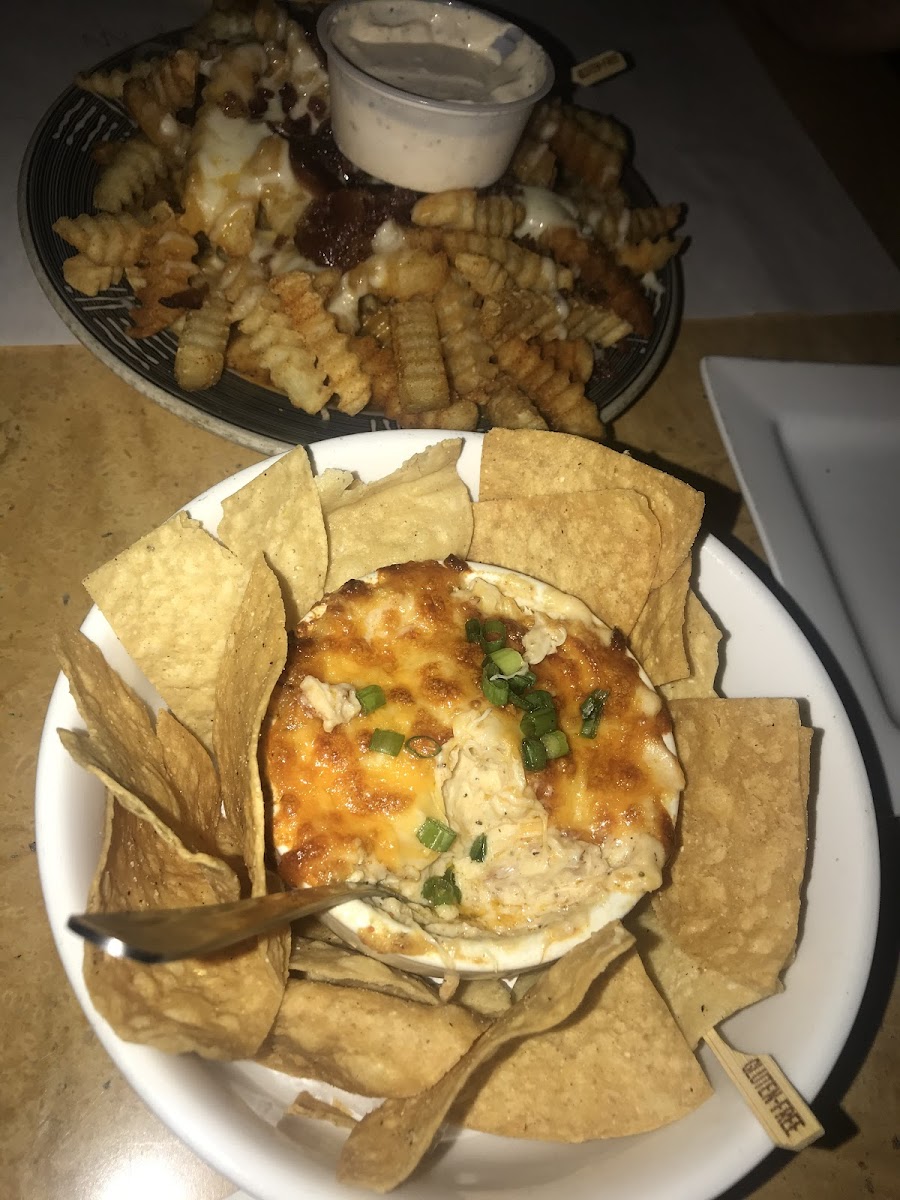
<point>191,211</point>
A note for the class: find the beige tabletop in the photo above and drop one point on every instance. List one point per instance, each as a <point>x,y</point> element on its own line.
<point>86,466</point>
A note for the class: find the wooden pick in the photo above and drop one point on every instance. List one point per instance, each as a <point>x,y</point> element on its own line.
<point>773,1099</point>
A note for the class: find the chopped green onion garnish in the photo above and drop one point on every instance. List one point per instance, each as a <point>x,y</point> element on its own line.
<point>387,741</point>
<point>522,682</point>
<point>370,697</point>
<point>555,743</point>
<point>592,705</point>
<point>423,745</point>
<point>435,835</point>
<point>441,889</point>
<point>534,754</point>
<point>534,724</point>
<point>508,660</point>
<point>495,690</point>
<point>493,635</point>
<point>478,849</point>
<point>537,700</point>
<point>473,630</point>
<point>591,712</point>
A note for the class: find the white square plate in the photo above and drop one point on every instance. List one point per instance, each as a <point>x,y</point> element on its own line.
<point>816,448</point>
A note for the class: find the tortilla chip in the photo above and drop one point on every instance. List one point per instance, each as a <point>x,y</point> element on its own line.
<point>220,1006</point>
<point>701,639</point>
<point>387,1144</point>
<point>421,511</point>
<point>619,1066</point>
<point>254,658</point>
<point>331,485</point>
<point>733,899</point>
<point>308,1105</point>
<point>279,514</point>
<point>602,547</point>
<point>325,963</point>
<point>171,599</point>
<point>697,996</point>
<point>657,640</point>
<point>489,997</point>
<point>365,1042</point>
<point>160,762</point>
<point>527,462</point>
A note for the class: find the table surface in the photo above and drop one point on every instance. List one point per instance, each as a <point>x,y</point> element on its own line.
<point>87,465</point>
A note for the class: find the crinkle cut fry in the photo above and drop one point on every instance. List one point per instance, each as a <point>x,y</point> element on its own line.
<point>400,274</point>
<point>167,269</point>
<point>281,350</point>
<point>307,315</point>
<point>87,277</point>
<point>482,273</point>
<point>459,414</point>
<point>377,360</point>
<point>108,239</point>
<point>558,398</point>
<point>200,355</point>
<point>137,166</point>
<point>584,154</point>
<point>155,97</point>
<point>647,254</point>
<point>507,406</point>
<point>599,273</point>
<point>573,355</point>
<point>417,351</point>
<point>534,163</point>
<point>599,325</point>
<point>520,312</point>
<point>111,84</point>
<point>463,208</point>
<point>467,356</point>
<point>527,269</point>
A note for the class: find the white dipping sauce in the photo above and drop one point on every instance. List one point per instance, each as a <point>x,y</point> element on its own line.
<point>443,53</point>
<point>428,95</point>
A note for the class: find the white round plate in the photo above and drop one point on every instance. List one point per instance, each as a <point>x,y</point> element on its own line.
<point>227,1112</point>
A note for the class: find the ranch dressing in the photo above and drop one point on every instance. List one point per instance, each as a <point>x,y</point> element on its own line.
<point>440,52</point>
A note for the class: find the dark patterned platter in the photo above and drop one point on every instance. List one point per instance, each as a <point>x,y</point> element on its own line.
<point>57,179</point>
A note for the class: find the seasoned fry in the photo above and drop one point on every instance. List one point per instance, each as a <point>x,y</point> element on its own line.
<point>417,350</point>
<point>88,277</point>
<point>572,355</point>
<point>281,350</point>
<point>467,355</point>
<point>459,414</point>
<point>111,84</point>
<point>107,239</point>
<point>648,255</point>
<point>559,399</point>
<point>595,324</point>
<point>517,312</point>
<point>399,274</point>
<point>167,272</point>
<point>600,273</point>
<point>463,208</point>
<point>137,167</point>
<point>534,163</point>
<point>377,361</point>
<point>484,274</point>
<point>527,269</point>
<point>200,357</point>
<point>154,97</point>
<point>334,356</point>
<point>582,152</point>
<point>506,405</point>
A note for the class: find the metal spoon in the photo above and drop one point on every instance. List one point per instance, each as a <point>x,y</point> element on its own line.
<point>166,934</point>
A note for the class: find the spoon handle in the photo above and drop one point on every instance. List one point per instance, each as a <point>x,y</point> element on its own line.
<point>163,935</point>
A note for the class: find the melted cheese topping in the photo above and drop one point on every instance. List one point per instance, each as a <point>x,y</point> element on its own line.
<point>597,820</point>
